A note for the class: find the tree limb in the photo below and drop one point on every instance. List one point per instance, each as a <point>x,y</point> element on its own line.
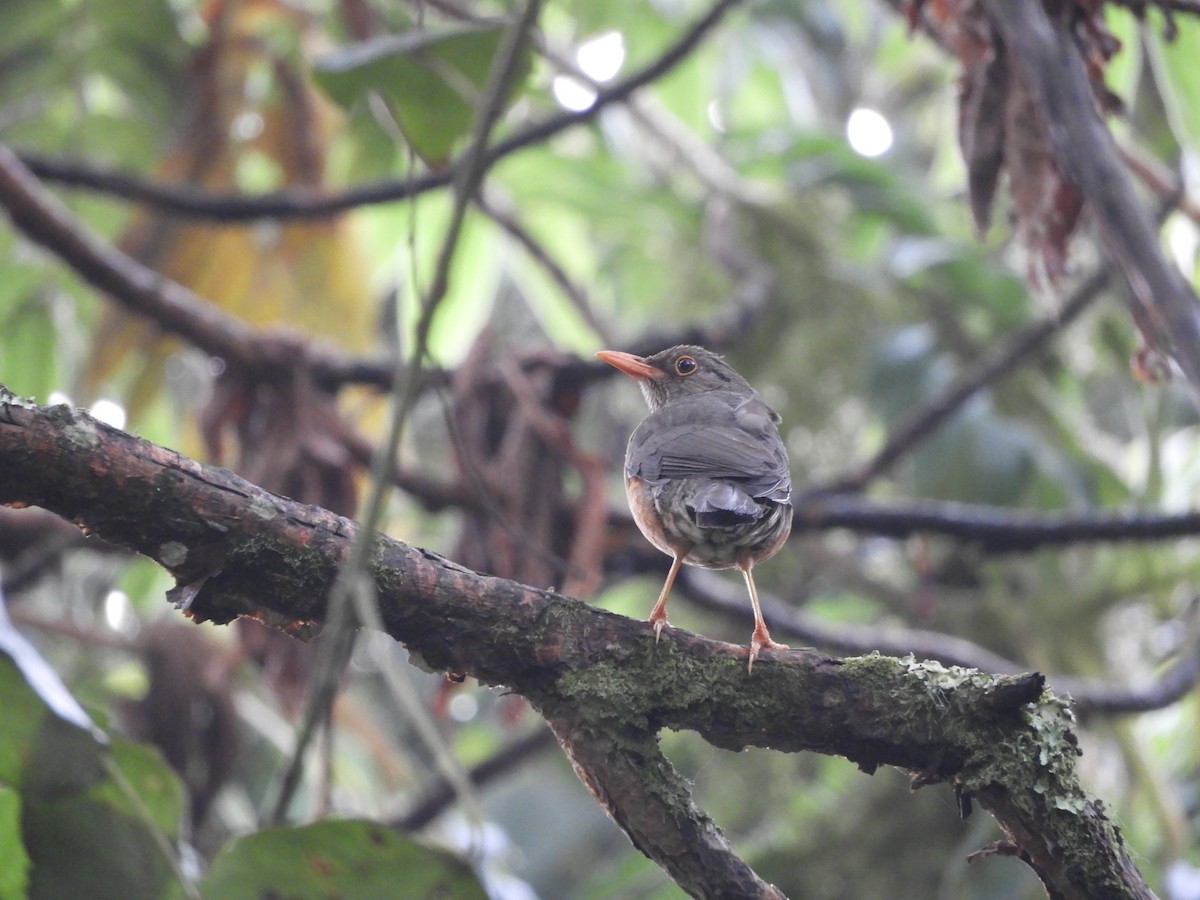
<point>146,293</point>
<point>600,679</point>
<point>1091,696</point>
<point>176,309</point>
<point>993,528</point>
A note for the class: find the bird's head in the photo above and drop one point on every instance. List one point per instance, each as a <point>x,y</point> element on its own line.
<point>677,372</point>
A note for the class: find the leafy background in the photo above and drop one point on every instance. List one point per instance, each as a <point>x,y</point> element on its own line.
<point>851,290</point>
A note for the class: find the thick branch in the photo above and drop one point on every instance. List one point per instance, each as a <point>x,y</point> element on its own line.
<point>1091,696</point>
<point>146,293</point>
<point>235,549</point>
<point>631,779</point>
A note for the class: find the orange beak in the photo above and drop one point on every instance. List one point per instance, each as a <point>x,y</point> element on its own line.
<point>633,366</point>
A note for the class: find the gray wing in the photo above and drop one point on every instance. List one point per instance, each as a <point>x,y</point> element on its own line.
<point>719,435</point>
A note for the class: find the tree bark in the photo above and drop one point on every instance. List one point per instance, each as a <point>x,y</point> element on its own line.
<point>601,680</point>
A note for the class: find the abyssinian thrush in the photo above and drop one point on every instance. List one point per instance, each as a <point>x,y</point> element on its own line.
<point>706,472</point>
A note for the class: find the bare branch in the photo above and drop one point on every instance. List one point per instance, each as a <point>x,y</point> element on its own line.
<point>235,549</point>
<point>44,219</point>
<point>1094,697</point>
<point>540,254</point>
<point>1021,348</point>
<point>503,761</point>
<point>1160,179</point>
<point>995,529</point>
<point>630,778</point>
<point>178,310</point>
<point>169,305</point>
<point>1139,7</point>
<point>721,595</point>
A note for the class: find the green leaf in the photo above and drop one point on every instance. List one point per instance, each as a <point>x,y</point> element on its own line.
<point>90,808</point>
<point>23,717</point>
<point>28,340</point>
<point>84,848</point>
<point>432,80</point>
<point>1178,77</point>
<point>349,859</point>
<point>48,744</point>
<point>109,840</point>
<point>14,862</point>
<point>148,787</point>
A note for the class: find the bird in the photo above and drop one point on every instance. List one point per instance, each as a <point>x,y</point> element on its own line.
<point>706,472</point>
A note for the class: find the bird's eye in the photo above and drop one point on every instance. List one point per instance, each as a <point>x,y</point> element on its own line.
<point>685,365</point>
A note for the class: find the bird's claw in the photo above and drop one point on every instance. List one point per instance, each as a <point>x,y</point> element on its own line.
<point>757,644</point>
<point>658,625</point>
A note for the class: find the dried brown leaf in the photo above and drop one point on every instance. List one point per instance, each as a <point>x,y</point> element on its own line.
<point>982,101</point>
<point>1046,206</point>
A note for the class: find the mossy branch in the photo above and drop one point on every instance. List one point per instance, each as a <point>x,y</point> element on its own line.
<point>601,680</point>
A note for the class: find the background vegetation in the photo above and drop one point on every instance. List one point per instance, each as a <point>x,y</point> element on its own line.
<point>998,467</point>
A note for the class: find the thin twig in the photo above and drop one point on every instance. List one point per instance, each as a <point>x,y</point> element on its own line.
<point>541,255</point>
<point>432,493</point>
<point>1159,178</point>
<point>1092,696</point>
<point>1191,7</point>
<point>722,595</point>
<point>438,797</point>
<point>351,604</point>
<point>996,366</point>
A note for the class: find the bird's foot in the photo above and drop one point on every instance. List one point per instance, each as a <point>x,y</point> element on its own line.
<point>761,642</point>
<point>658,623</point>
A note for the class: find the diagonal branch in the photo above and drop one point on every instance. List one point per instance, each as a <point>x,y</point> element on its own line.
<point>171,306</point>
<point>177,310</point>
<point>629,777</point>
<point>235,549</point>
<point>995,366</point>
<point>44,219</point>
<point>439,797</point>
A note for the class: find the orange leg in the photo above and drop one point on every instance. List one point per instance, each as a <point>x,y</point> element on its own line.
<point>760,637</point>
<point>658,615</point>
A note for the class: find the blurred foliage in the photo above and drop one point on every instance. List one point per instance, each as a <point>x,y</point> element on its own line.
<point>431,80</point>
<point>81,817</point>
<point>735,161</point>
<point>343,859</point>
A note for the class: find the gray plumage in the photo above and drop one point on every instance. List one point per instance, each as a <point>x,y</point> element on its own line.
<point>706,472</point>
